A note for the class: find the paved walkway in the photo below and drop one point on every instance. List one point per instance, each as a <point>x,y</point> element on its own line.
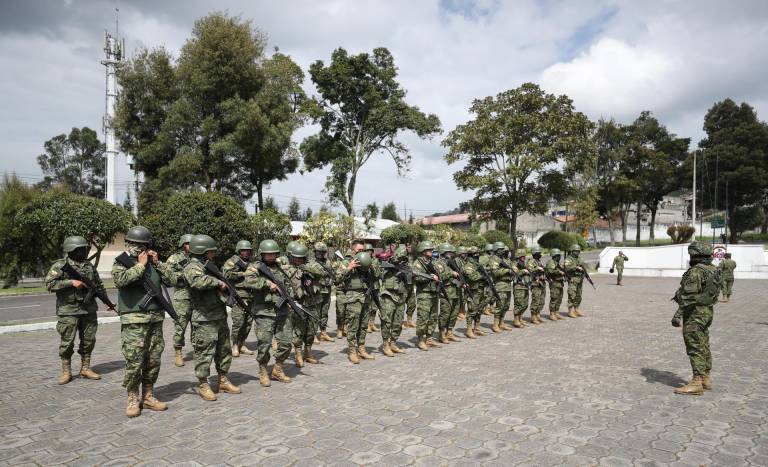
<point>592,391</point>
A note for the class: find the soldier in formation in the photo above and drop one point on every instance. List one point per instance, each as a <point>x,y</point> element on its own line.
<point>473,294</point>
<point>539,281</point>
<point>355,276</point>
<point>234,270</point>
<point>325,285</point>
<point>727,266</point>
<point>304,279</point>
<point>448,304</point>
<point>522,288</point>
<point>557,280</point>
<point>394,292</point>
<point>502,273</point>
<point>575,268</point>
<point>177,262</point>
<point>618,266</point>
<point>426,295</point>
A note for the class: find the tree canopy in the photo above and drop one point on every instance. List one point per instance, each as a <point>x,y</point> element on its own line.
<point>74,162</point>
<point>389,211</point>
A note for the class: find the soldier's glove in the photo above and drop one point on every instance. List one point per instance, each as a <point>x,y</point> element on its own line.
<point>676,322</point>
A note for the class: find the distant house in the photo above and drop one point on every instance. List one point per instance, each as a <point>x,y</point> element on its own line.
<point>371,235</point>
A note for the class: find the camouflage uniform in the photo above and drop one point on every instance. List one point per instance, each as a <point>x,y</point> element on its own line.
<point>234,270</point>
<point>618,266</point>
<point>727,267</point>
<point>556,286</point>
<point>474,299</point>
<point>394,292</point>
<point>373,308</point>
<point>521,290</point>
<point>448,307</point>
<point>325,286</point>
<point>304,280</point>
<point>575,281</point>
<point>177,262</point>
<point>356,304</point>
<point>426,301</point>
<point>503,278</point>
<point>268,321</point>
<point>538,288</point>
<point>341,298</point>
<point>486,298</point>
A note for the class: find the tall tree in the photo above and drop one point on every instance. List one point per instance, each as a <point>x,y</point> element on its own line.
<point>75,162</point>
<point>389,211</point>
<point>371,210</point>
<point>361,110</point>
<point>520,150</point>
<point>294,210</point>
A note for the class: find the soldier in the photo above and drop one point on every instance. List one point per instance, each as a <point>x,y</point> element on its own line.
<point>698,292</point>
<point>75,307</point>
<point>341,296</point>
<point>141,329</point>
<point>557,279</point>
<point>177,262</point>
<point>304,277</point>
<point>356,277</point>
<point>325,285</point>
<point>234,270</point>
<point>448,308</point>
<point>410,301</point>
<point>487,298</point>
<point>618,265</point>
<point>377,273</point>
<point>394,290</point>
<point>473,296</point>
<point>501,272</point>
<point>727,267</point>
<point>521,289</point>
<point>461,307</point>
<point>269,321</point>
<point>426,295</point>
<point>209,319</point>
<point>538,284</point>
<point>575,268</point>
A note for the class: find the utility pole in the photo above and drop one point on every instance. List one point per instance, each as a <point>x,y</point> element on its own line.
<point>693,210</point>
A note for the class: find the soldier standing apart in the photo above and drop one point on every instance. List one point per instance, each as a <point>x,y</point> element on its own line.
<point>557,279</point>
<point>426,295</point>
<point>698,292</point>
<point>394,290</point>
<point>75,307</point>
<point>727,267</point>
<point>209,319</point>
<point>473,295</point>
<point>177,262</point>
<point>269,321</point>
<point>304,277</point>
<point>538,284</point>
<point>355,274</point>
<point>234,270</point>
<point>325,285</point>
<point>618,265</point>
<point>521,289</point>
<point>141,329</point>
<point>449,307</point>
<point>377,273</point>
<point>575,268</point>
<point>502,274</point>
<point>410,301</point>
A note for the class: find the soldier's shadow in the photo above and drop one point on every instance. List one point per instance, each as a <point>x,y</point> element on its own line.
<point>108,367</point>
<point>173,390</point>
<point>241,378</point>
<point>664,377</point>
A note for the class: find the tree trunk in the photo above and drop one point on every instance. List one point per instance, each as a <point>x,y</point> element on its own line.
<point>732,234</point>
<point>652,234</point>
<point>624,214</point>
<point>764,227</point>
<point>260,197</point>
<point>610,230</point>
<point>637,234</point>
<point>513,227</point>
<point>349,204</point>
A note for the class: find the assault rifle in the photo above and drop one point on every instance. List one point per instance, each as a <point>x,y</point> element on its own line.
<point>407,273</point>
<point>328,270</point>
<point>538,275</point>
<point>515,275</point>
<point>285,295</point>
<point>490,281</point>
<point>440,286</point>
<point>370,287</point>
<point>463,283</point>
<point>93,291</point>
<point>213,270</point>
<point>586,276</point>
<point>152,291</point>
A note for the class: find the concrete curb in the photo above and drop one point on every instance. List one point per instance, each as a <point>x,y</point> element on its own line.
<point>47,325</point>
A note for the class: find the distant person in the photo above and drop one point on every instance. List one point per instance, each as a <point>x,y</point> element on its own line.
<point>726,270</point>
<point>618,266</point>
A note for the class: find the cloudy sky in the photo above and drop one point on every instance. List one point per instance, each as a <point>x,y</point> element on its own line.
<point>614,58</point>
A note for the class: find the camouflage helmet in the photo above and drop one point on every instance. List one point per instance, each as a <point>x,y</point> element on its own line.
<point>424,245</point>
<point>268,246</point>
<point>368,247</point>
<point>473,250</point>
<point>243,245</point>
<point>462,250</point>
<point>320,246</point>
<point>290,245</point>
<point>184,239</point>
<point>520,253</point>
<point>138,234</point>
<point>699,249</point>
<point>489,247</point>
<point>299,251</point>
<point>446,248</point>
<point>73,243</point>
<point>200,244</point>
<point>364,259</point>
<point>535,249</point>
<point>555,252</point>
<point>401,252</point>
<point>575,247</point>
<point>499,246</point>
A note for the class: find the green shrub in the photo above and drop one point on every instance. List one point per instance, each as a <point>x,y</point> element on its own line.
<point>403,233</point>
<point>561,240</point>
<point>493,236</point>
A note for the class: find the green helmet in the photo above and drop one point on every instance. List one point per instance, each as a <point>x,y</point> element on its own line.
<point>699,249</point>
<point>499,246</point>
<point>364,259</point>
<point>73,243</point>
<point>473,250</point>
<point>535,249</point>
<point>138,234</point>
<point>555,252</point>
<point>243,245</point>
<point>368,247</point>
<point>290,245</point>
<point>462,250</point>
<point>200,244</point>
<point>489,247</point>
<point>299,251</point>
<point>575,247</point>
<point>424,245</point>
<point>446,248</point>
<point>268,246</point>
<point>184,239</point>
<point>520,253</point>
<point>320,246</point>
<point>401,253</point>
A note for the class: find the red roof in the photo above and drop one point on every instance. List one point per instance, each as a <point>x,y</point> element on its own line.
<point>449,219</point>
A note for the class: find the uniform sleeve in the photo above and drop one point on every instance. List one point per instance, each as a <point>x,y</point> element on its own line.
<point>418,267</point>
<point>123,276</point>
<point>231,271</point>
<point>252,279</point>
<point>342,272</point>
<point>198,279</point>
<point>54,280</point>
<point>570,265</point>
<point>471,272</point>
<point>314,269</point>
<point>167,275</point>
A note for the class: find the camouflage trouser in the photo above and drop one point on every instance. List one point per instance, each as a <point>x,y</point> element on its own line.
<point>373,309</point>
<point>411,302</point>
<point>241,324</point>
<point>521,300</point>
<point>727,287</point>
<point>391,315</point>
<point>211,343</point>
<point>426,317</point>
<point>449,311</point>
<point>341,309</point>
<point>356,322</point>
<point>538,296</point>
<point>619,275</point>
<point>267,328</point>
<point>487,297</point>
<point>184,310</point>
<point>324,306</point>
<point>474,307</point>
<point>502,306</point>
<point>303,332</point>
<point>71,326</point>
<point>555,296</point>
<point>696,322</point>
<point>574,293</point>
<point>142,345</point>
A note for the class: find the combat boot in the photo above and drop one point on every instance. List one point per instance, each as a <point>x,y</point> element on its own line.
<point>375,328</point>
<point>66,371</point>
<point>572,312</point>
<point>487,311</point>
<point>279,374</point>
<point>386,349</point>
<point>225,385</point>
<point>706,381</point>
<point>325,337</point>
<point>470,332</point>
<point>461,316</point>
<point>370,326</point>
<point>517,322</point>
<point>85,369</point>
<point>205,391</point>
<point>394,347</point>
<point>444,337</point>
<point>362,353</point>
<point>535,319</point>
<point>478,331</point>
<point>694,388</point>
<point>553,316</point>
<point>235,349</point>
<point>149,401</point>
<point>299,357</point>
<point>308,355</point>
<point>352,354</point>
<point>449,335</point>
<point>274,345</point>
<point>431,342</point>
<point>178,358</point>
<point>133,409</point>
<point>409,323</point>
<point>495,327</point>
<point>559,316</point>
<point>339,333</point>
<point>344,331</point>
<point>264,376</point>
<point>578,312</point>
<point>245,350</point>
<point>422,345</point>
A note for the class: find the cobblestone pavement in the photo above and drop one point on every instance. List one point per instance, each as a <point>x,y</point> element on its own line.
<point>590,391</point>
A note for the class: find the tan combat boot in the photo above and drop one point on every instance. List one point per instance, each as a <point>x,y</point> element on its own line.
<point>370,326</point>
<point>694,388</point>
<point>235,349</point>
<point>706,381</point>
<point>559,316</point>
<point>470,332</point>
<point>225,385</point>
<point>149,401</point>
<point>552,316</point>
<point>409,323</point>
<point>375,328</point>
<point>178,358</point>
<point>495,327</point>
<point>449,335</point>
<point>264,376</point>
<point>339,333</point>
<point>85,369</point>
<point>279,374</point>
<point>444,337</point>
<point>422,345</point>
<point>133,409</point>
<point>517,322</point>
<point>364,353</point>
<point>432,343</point>
<point>308,355</point>
<point>245,350</point>
<point>66,371</point>
<point>535,319</point>
<point>386,349</point>
<point>478,331</point>
<point>274,345</point>
<point>325,337</point>
<point>578,312</point>
<point>352,354</point>
<point>572,312</point>
<point>205,391</point>
<point>394,347</point>
<point>461,316</point>
<point>344,331</point>
<point>487,311</point>
<point>299,357</point>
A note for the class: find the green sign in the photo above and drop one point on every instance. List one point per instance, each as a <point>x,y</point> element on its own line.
<point>718,223</point>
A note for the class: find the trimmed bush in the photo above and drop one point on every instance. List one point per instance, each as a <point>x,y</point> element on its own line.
<point>561,240</point>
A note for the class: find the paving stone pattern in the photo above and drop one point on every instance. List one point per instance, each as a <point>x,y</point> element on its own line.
<point>590,391</point>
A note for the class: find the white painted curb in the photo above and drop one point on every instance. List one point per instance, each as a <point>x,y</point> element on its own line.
<point>47,325</point>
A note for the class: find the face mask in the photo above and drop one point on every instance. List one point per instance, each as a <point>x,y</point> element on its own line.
<point>79,255</point>
<point>135,250</point>
<point>537,256</point>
